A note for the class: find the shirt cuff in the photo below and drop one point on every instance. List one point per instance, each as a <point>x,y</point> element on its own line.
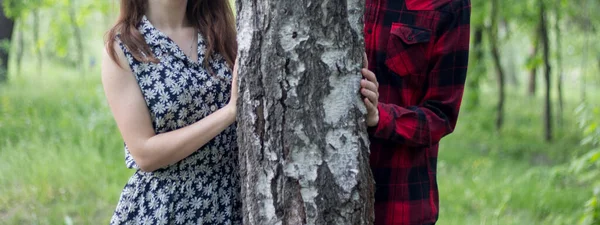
<point>378,131</point>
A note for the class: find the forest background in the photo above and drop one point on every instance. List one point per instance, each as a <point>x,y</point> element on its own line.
<point>525,151</point>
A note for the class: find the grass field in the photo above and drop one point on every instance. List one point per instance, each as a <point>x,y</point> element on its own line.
<point>61,159</point>
<point>512,178</point>
<point>60,154</point>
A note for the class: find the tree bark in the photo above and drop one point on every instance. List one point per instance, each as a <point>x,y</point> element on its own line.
<point>20,45</point>
<point>36,38</point>
<point>303,142</point>
<point>77,35</point>
<point>478,68</point>
<point>533,70</point>
<point>499,70</point>
<point>6,30</point>
<point>547,71</point>
<point>559,68</point>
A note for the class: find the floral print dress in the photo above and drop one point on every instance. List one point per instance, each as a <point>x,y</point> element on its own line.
<point>204,187</point>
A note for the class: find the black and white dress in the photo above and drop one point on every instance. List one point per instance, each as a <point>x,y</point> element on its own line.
<point>204,187</point>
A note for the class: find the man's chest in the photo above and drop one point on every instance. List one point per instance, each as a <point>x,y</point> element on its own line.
<point>400,38</point>
<point>407,19</point>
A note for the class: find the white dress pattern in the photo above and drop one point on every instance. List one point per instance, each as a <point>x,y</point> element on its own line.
<point>204,187</point>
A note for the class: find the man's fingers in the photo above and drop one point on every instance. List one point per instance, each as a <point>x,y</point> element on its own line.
<point>372,96</point>
<point>368,85</point>
<point>369,105</point>
<point>370,76</point>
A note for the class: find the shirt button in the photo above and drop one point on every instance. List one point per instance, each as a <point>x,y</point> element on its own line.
<point>370,31</point>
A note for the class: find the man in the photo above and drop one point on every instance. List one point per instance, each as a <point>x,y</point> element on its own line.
<point>417,51</point>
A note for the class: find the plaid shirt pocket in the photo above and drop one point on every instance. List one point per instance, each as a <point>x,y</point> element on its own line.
<point>407,49</point>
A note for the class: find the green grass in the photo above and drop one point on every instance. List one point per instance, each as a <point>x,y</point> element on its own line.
<point>510,177</point>
<point>60,154</point>
<point>61,158</point>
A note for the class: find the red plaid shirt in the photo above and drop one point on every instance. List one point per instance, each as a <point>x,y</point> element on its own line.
<point>419,51</point>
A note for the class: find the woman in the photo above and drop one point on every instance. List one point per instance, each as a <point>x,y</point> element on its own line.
<point>166,75</point>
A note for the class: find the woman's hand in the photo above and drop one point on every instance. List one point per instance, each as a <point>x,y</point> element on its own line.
<point>234,89</point>
<point>370,90</point>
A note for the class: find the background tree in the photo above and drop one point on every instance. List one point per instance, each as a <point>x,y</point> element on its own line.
<point>534,62</point>
<point>76,31</point>
<point>37,44</point>
<point>559,61</point>
<point>6,30</point>
<point>547,71</point>
<point>493,37</point>
<point>302,137</point>
<point>584,20</point>
<point>19,10</point>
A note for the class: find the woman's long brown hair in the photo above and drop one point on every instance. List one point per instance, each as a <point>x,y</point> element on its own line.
<point>213,18</point>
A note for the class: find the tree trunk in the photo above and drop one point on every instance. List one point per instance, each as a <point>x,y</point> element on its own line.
<point>478,68</point>
<point>586,23</point>
<point>6,30</point>
<point>513,71</point>
<point>559,68</point>
<point>303,143</point>
<point>20,45</point>
<point>77,35</point>
<point>499,70</point>
<point>36,39</point>
<point>547,71</point>
<point>533,69</point>
<point>509,60</point>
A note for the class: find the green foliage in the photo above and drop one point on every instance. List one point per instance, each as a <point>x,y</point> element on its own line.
<point>587,166</point>
<point>57,40</point>
<point>479,12</point>
<point>17,9</point>
<point>4,45</point>
<point>534,62</point>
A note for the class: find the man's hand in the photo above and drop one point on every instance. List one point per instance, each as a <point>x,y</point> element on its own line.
<point>369,90</point>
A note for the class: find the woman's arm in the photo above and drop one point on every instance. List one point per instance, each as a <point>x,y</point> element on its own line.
<point>149,150</point>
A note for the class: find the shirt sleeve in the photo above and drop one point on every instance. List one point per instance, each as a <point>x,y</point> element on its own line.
<point>425,124</point>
